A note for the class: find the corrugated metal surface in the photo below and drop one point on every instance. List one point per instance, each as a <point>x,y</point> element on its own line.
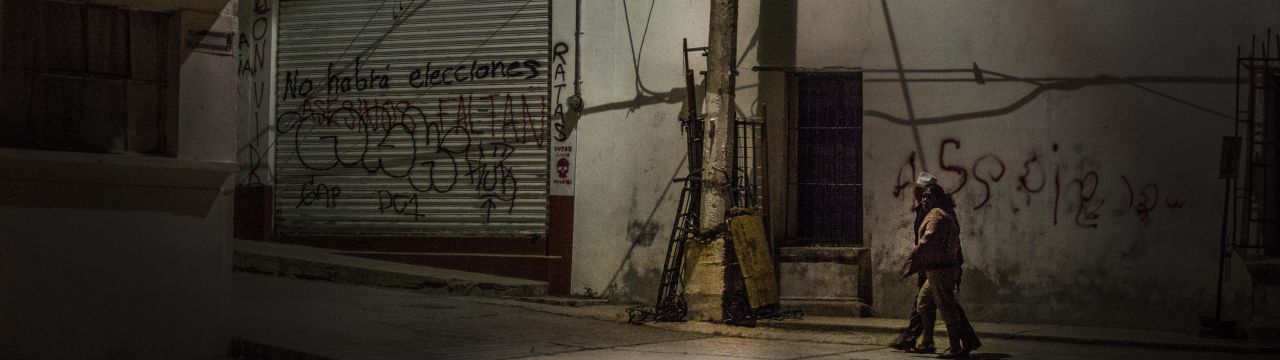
<point>452,142</point>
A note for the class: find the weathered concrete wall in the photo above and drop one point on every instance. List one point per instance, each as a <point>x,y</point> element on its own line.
<point>1081,140</point>
<point>629,142</point>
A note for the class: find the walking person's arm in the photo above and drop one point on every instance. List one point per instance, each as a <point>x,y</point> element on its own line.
<point>924,253</point>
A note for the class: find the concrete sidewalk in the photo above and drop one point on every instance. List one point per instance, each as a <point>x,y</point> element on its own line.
<point>321,264</point>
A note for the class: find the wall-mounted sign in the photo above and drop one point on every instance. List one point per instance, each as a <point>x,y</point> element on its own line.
<point>562,174</point>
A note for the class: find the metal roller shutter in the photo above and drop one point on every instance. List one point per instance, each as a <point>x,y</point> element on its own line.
<point>424,118</point>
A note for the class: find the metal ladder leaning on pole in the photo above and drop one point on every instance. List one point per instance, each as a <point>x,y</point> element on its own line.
<point>670,305</point>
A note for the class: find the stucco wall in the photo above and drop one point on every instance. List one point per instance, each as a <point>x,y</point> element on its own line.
<point>1083,152</point>
<point>629,143</point>
<point>1081,140</point>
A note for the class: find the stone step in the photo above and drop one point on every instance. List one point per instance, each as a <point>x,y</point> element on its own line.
<point>824,281</point>
<point>827,306</point>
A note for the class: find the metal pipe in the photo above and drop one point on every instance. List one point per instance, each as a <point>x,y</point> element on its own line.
<point>577,48</point>
<point>1222,248</point>
<point>1235,208</point>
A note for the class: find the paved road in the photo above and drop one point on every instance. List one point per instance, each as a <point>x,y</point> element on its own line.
<point>351,322</point>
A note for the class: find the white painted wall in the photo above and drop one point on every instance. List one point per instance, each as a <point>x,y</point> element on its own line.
<point>1133,94</point>
<point>630,144</point>
<point>1136,92</point>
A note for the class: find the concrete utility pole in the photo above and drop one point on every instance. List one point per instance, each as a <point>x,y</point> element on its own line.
<point>717,152</point>
<point>705,289</point>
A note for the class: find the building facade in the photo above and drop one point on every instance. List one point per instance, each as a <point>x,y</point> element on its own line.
<point>1081,142</point>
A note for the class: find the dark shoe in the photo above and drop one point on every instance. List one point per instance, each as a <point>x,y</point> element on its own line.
<point>900,346</point>
<point>963,353</point>
<point>970,343</point>
<point>970,346</point>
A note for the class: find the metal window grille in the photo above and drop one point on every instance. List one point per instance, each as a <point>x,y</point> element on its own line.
<point>1256,229</point>
<point>747,183</point>
<point>824,141</point>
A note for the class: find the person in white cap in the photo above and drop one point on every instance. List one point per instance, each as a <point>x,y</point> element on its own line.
<point>906,340</point>
<point>937,255</point>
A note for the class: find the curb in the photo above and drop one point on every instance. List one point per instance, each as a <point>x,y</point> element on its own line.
<point>313,270</point>
<point>563,301</point>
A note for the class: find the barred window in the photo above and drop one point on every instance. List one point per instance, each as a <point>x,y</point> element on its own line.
<point>824,145</point>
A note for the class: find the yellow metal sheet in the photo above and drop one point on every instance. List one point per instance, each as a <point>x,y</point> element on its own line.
<point>755,258</point>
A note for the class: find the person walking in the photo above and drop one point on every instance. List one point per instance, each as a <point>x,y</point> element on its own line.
<point>937,255</point>
<point>906,339</point>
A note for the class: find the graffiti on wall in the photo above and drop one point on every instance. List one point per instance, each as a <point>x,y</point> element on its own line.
<point>562,156</point>
<point>254,69</point>
<point>310,192</point>
<point>451,142</point>
<point>1074,196</point>
<point>560,81</point>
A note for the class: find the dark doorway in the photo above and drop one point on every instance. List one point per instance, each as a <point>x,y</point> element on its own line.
<point>824,147</point>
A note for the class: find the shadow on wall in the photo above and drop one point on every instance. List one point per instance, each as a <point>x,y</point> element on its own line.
<point>632,281</point>
<point>642,233</point>
<point>1042,85</point>
<point>980,76</point>
<point>774,44</point>
<point>777,45</point>
<point>638,283</point>
<point>779,33</point>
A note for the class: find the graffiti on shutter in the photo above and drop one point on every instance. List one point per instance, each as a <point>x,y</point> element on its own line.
<point>419,118</point>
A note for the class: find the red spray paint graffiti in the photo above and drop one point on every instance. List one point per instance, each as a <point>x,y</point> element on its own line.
<point>1080,195</point>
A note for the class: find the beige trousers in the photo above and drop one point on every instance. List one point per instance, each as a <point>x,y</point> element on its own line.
<point>938,293</point>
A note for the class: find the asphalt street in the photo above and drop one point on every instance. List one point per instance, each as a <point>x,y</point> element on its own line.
<point>339,321</point>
